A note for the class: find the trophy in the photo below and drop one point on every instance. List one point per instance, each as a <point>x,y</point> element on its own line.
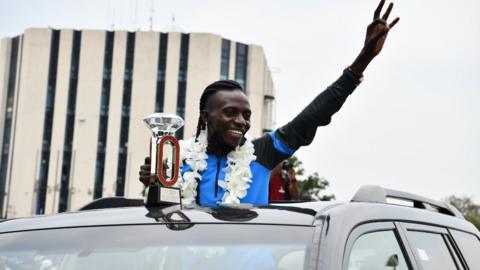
<point>165,159</point>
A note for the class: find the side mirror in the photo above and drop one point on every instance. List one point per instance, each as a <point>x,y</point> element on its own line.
<point>392,261</point>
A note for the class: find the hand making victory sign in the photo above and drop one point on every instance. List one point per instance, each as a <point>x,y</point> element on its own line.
<point>377,32</point>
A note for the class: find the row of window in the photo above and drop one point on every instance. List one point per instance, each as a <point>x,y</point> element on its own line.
<point>182,79</point>
<point>48,123</point>
<point>7,128</point>
<point>69,123</point>
<point>125,121</point>
<point>225,59</point>
<point>161,72</point>
<point>103,121</point>
<point>241,62</point>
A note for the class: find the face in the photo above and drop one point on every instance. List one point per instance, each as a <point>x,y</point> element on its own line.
<point>227,115</point>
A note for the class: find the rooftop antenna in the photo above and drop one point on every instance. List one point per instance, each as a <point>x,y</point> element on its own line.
<point>151,15</point>
<point>172,27</point>
<point>135,25</point>
<point>112,8</point>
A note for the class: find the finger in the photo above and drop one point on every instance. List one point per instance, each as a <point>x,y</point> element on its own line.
<point>376,15</point>
<point>387,13</point>
<point>145,167</point>
<point>145,180</point>
<point>394,22</point>
<point>147,160</point>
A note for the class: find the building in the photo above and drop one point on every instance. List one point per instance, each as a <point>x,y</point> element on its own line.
<point>71,104</point>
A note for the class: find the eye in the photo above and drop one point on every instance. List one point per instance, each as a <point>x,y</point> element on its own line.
<point>229,112</point>
<point>246,115</point>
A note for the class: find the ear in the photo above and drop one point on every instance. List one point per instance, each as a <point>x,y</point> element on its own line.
<point>204,115</point>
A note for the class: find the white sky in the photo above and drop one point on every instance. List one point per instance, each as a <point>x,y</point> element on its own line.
<point>413,124</point>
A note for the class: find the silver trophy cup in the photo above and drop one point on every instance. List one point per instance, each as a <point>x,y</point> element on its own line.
<point>165,159</point>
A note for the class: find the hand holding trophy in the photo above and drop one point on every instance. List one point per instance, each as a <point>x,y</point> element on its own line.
<point>165,159</point>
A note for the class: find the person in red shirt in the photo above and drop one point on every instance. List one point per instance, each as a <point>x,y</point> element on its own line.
<point>276,187</point>
<point>283,183</point>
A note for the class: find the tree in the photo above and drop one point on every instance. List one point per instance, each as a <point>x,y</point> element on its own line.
<point>467,207</point>
<point>311,187</point>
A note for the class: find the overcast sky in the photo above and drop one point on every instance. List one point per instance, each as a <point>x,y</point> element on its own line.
<point>413,124</point>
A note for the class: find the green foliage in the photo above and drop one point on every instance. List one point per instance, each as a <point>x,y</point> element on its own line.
<point>297,165</point>
<point>467,207</point>
<point>312,186</point>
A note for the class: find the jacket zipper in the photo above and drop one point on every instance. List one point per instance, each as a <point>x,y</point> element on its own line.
<point>216,176</point>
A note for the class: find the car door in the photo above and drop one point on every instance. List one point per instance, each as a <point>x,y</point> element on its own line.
<point>433,247</point>
<point>375,246</point>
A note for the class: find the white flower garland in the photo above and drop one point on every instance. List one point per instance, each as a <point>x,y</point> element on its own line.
<point>237,173</point>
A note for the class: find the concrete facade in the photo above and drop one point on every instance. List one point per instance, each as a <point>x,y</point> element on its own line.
<point>29,138</point>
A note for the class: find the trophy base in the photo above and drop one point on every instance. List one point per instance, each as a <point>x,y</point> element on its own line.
<point>158,195</point>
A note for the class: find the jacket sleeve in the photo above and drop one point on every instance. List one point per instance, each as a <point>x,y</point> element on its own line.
<point>301,130</point>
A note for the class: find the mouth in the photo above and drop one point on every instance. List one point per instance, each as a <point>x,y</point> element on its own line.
<point>233,136</point>
<point>235,132</point>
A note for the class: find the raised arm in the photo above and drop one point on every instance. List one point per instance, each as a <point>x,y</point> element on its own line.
<point>301,130</point>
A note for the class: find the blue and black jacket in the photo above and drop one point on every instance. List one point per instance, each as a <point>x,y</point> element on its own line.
<point>274,147</point>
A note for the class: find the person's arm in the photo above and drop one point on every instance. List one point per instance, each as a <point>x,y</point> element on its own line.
<point>301,130</point>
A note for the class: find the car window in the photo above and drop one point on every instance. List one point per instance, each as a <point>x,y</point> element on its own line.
<point>377,251</point>
<point>431,250</point>
<point>156,247</point>
<point>469,246</point>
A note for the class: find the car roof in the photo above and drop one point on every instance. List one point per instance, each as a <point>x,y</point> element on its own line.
<point>344,216</point>
<point>369,204</point>
<point>302,214</point>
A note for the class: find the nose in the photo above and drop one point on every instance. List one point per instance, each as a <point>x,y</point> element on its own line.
<point>240,120</point>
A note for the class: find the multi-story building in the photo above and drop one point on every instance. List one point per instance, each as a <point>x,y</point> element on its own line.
<point>71,104</point>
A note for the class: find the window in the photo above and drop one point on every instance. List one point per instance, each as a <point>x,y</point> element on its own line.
<point>469,246</point>
<point>225,59</point>
<point>241,64</point>
<point>159,248</point>
<point>125,121</point>
<point>161,72</point>
<point>103,121</point>
<point>12,75</point>
<point>267,113</point>
<point>377,251</point>
<point>182,79</point>
<point>48,122</point>
<point>70,122</point>
<point>431,250</point>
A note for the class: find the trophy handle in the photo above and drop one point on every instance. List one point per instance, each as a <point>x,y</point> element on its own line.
<point>160,165</point>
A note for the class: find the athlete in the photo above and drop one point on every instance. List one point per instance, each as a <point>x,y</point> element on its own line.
<point>220,165</point>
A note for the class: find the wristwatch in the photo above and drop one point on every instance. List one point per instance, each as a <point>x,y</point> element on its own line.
<point>352,75</point>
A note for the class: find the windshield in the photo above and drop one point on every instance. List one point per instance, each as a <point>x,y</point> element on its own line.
<point>202,246</point>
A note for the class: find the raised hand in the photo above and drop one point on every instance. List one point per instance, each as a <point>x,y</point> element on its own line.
<point>377,32</point>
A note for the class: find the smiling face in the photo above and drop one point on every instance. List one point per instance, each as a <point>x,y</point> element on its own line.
<point>227,115</point>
